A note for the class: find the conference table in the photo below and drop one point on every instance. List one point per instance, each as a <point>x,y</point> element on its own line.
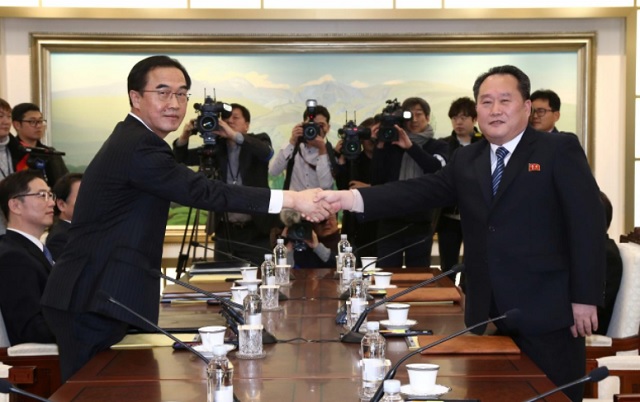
<point>307,364</point>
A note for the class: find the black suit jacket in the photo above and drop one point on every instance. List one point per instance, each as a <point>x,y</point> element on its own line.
<point>23,274</point>
<point>538,245</point>
<point>119,223</point>
<point>57,238</point>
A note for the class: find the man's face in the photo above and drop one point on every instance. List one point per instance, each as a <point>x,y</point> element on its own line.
<point>33,211</point>
<point>5,123</point>
<point>237,122</point>
<point>502,112</point>
<point>31,128</point>
<point>542,117</point>
<point>463,125</point>
<point>162,117</point>
<point>67,206</point>
<point>419,120</point>
<point>327,227</point>
<point>324,125</point>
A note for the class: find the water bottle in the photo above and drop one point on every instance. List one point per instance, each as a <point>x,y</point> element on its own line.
<point>342,245</point>
<point>268,269</point>
<point>219,376</point>
<point>372,349</point>
<point>252,307</point>
<point>280,252</point>
<point>357,296</point>
<point>348,267</point>
<point>392,391</point>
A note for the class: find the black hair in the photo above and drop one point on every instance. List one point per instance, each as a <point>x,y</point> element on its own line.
<point>320,111</point>
<point>464,105</point>
<point>19,110</point>
<point>411,102</point>
<point>62,188</point>
<point>524,84</point>
<point>139,74</point>
<point>549,96</point>
<point>15,184</point>
<point>245,112</point>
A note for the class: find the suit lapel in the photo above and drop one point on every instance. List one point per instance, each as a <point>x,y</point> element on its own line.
<point>30,247</point>
<point>517,162</point>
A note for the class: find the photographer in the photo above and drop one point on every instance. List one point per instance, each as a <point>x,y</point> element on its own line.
<point>310,245</point>
<point>306,158</point>
<point>414,153</point>
<point>30,127</point>
<point>241,159</point>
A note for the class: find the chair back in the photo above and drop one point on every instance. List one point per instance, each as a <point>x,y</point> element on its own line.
<point>625,321</point>
<point>4,337</point>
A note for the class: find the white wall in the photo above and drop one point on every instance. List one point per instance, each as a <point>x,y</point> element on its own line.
<point>15,85</point>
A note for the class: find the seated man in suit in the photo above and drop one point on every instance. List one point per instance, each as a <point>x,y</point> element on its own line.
<point>27,202</point>
<point>66,191</point>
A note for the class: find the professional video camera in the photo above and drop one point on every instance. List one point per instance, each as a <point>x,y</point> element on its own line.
<point>209,113</point>
<point>391,116</point>
<point>298,230</point>
<point>352,136</point>
<point>311,129</point>
<point>39,157</point>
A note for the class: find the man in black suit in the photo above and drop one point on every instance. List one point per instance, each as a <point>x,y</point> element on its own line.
<point>119,222</point>
<point>536,243</point>
<point>66,191</point>
<point>242,159</point>
<point>28,203</point>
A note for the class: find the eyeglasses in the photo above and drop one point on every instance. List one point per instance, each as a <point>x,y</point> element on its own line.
<point>35,123</point>
<point>45,195</point>
<point>541,111</point>
<point>165,95</point>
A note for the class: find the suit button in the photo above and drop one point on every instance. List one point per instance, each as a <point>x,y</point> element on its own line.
<point>492,228</point>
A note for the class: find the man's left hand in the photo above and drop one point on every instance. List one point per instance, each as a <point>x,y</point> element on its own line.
<point>585,318</point>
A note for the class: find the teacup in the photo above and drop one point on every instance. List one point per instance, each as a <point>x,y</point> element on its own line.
<point>368,263</point>
<point>249,273</point>
<point>238,293</point>
<point>211,336</point>
<point>422,377</point>
<point>397,313</point>
<point>252,285</point>
<point>383,279</point>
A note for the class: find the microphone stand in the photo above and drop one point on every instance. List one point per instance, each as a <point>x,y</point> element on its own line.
<point>6,387</point>
<point>510,315</point>
<point>596,375</point>
<point>354,336</point>
<point>402,229</point>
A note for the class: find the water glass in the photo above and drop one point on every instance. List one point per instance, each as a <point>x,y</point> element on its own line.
<point>250,340</point>
<point>282,275</point>
<point>269,295</point>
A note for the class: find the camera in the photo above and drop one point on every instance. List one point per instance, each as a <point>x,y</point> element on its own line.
<point>391,115</point>
<point>209,113</point>
<point>298,230</point>
<point>352,136</point>
<point>311,129</point>
<point>39,157</point>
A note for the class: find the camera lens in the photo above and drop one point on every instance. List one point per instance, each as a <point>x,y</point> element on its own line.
<point>310,132</point>
<point>352,147</point>
<point>207,123</point>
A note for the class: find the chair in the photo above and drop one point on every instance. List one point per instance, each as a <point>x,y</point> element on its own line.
<point>623,380</point>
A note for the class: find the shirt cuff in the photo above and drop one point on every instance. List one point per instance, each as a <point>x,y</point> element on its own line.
<point>358,202</point>
<point>275,201</point>
<point>239,138</point>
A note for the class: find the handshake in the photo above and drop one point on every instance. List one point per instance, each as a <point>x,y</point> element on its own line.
<point>316,204</point>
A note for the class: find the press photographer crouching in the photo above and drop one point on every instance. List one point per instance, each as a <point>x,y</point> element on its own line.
<point>310,245</point>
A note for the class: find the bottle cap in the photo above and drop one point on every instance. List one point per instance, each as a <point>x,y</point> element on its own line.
<point>219,350</point>
<point>357,274</point>
<point>392,386</point>
<point>280,241</point>
<point>343,237</point>
<point>373,325</point>
<point>268,257</point>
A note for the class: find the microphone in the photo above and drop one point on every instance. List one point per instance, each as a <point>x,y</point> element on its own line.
<point>105,295</point>
<point>511,315</point>
<point>40,151</point>
<point>595,375</point>
<point>6,387</point>
<point>402,229</point>
<point>345,295</point>
<point>354,336</point>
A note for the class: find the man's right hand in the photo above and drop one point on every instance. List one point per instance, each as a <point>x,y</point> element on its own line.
<point>337,200</point>
<point>296,133</point>
<point>183,139</point>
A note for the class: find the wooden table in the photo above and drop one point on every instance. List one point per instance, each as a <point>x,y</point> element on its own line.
<point>315,368</point>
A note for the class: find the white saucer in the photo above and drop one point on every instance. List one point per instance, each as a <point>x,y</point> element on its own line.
<point>208,353</point>
<point>438,390</point>
<point>407,324</point>
<point>376,287</point>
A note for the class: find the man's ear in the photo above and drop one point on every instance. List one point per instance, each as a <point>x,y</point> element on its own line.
<point>135,98</point>
<point>15,206</point>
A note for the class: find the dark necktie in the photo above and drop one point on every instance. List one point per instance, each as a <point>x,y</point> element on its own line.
<point>501,152</point>
<point>47,254</point>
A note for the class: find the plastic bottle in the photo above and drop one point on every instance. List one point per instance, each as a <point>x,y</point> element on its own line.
<point>268,269</point>
<point>372,349</point>
<point>252,307</point>
<point>348,267</point>
<point>392,391</point>
<point>342,245</point>
<point>280,252</point>
<point>219,376</point>
<point>357,296</point>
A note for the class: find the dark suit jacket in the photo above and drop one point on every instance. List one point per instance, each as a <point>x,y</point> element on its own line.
<point>538,245</point>
<point>57,238</point>
<point>255,153</point>
<point>55,167</point>
<point>23,274</point>
<point>120,219</point>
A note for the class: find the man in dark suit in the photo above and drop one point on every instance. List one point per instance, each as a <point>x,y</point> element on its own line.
<point>536,243</point>
<point>66,191</point>
<point>242,159</point>
<point>115,240</point>
<point>28,203</point>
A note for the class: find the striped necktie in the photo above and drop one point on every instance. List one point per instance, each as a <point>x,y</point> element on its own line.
<point>501,152</point>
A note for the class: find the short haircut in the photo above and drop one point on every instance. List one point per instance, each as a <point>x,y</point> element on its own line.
<point>5,106</point>
<point>368,122</point>
<point>411,102</point>
<point>139,74</point>
<point>464,106</point>
<point>524,84</point>
<point>62,188</point>
<point>320,111</point>
<point>549,96</point>
<point>15,184</point>
<point>245,112</point>
<point>608,208</point>
<point>19,110</point>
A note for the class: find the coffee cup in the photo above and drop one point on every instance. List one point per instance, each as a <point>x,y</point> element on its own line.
<point>397,313</point>
<point>368,263</point>
<point>238,293</point>
<point>383,279</point>
<point>211,336</point>
<point>249,273</point>
<point>422,377</point>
